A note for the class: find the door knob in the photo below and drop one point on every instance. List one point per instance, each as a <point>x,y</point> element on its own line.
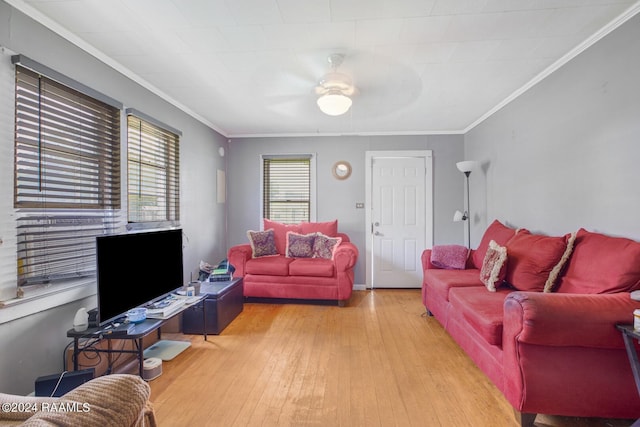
<point>377,233</point>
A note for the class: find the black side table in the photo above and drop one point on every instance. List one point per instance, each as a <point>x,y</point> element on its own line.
<point>629,334</point>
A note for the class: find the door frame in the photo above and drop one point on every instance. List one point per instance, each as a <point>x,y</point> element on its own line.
<point>370,156</point>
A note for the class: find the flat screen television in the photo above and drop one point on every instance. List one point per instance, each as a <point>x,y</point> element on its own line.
<point>136,268</point>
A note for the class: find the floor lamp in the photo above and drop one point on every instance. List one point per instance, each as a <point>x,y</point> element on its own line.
<point>466,167</point>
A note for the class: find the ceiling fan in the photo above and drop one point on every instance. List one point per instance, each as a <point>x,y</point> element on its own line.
<point>291,86</point>
<point>335,89</point>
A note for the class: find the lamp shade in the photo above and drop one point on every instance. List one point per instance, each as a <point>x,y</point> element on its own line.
<point>467,165</point>
<point>334,103</point>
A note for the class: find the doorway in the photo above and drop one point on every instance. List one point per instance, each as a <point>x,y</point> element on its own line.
<point>399,217</point>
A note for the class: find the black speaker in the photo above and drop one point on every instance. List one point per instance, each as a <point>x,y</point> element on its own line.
<point>93,318</point>
<point>57,385</point>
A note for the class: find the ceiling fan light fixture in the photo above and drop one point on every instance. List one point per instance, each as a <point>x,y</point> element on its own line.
<point>334,103</point>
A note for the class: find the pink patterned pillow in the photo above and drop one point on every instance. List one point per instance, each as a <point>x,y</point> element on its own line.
<point>300,245</point>
<point>280,233</point>
<point>325,246</point>
<point>262,243</point>
<point>494,266</point>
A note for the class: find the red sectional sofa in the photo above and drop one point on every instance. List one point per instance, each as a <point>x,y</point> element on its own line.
<point>546,337</point>
<point>277,275</point>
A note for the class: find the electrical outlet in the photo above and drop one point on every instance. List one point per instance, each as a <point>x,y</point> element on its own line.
<point>359,205</point>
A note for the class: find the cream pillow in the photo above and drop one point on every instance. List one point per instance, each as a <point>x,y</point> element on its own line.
<point>494,266</point>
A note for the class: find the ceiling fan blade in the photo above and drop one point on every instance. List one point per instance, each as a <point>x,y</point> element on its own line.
<point>290,106</point>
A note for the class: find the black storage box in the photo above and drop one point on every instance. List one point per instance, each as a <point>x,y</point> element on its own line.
<point>224,302</point>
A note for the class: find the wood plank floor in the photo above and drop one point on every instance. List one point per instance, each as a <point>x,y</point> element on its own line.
<point>376,362</point>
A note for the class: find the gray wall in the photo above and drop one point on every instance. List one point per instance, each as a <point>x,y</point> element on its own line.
<point>33,346</point>
<point>565,154</point>
<point>337,199</point>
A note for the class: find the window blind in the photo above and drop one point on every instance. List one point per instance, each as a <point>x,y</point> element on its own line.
<point>67,177</point>
<point>287,189</point>
<point>153,173</point>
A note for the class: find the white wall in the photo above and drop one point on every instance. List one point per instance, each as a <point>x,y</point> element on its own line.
<point>33,345</point>
<point>337,199</point>
<point>564,155</point>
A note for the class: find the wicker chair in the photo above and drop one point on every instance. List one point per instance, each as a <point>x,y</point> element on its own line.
<point>113,400</point>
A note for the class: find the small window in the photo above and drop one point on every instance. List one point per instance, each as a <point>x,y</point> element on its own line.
<point>67,178</point>
<point>287,188</point>
<point>153,173</point>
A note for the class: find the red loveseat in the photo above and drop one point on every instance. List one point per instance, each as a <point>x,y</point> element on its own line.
<point>546,337</point>
<point>310,278</point>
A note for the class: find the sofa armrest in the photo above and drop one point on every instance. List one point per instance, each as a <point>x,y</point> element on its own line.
<point>564,320</point>
<point>238,256</point>
<point>345,256</point>
<point>117,399</point>
<point>24,406</point>
<point>426,260</point>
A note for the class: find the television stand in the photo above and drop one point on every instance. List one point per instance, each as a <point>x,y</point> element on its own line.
<point>135,332</point>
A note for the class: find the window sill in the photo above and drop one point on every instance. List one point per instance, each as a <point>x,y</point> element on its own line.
<point>40,298</point>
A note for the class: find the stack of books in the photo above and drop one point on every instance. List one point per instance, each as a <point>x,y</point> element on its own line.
<point>165,308</point>
<point>220,275</point>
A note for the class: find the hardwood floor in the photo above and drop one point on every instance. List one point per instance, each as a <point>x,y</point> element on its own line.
<point>375,362</point>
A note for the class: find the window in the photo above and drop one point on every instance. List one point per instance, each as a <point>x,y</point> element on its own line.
<point>67,177</point>
<point>287,188</point>
<point>153,172</point>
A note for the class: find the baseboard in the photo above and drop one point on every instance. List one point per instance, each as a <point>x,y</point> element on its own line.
<point>359,287</point>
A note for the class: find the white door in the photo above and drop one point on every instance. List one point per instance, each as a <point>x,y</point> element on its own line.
<point>400,222</point>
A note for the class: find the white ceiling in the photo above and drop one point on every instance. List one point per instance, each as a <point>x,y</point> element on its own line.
<point>249,67</point>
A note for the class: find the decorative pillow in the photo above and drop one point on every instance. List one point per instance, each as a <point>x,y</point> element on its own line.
<point>450,257</point>
<point>280,233</point>
<point>329,228</point>
<point>531,259</point>
<point>555,273</point>
<point>494,266</point>
<point>602,264</point>
<point>300,245</point>
<point>262,243</point>
<point>325,246</point>
<point>497,232</point>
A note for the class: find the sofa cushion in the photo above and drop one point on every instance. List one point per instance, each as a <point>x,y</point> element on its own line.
<point>497,232</point>
<point>601,264</point>
<point>299,245</point>
<point>494,266</point>
<point>482,310</point>
<point>451,257</point>
<point>280,232</point>
<point>316,267</point>
<point>531,258</point>
<point>262,243</point>
<point>325,246</point>
<point>329,228</point>
<point>271,266</point>
<point>441,281</point>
